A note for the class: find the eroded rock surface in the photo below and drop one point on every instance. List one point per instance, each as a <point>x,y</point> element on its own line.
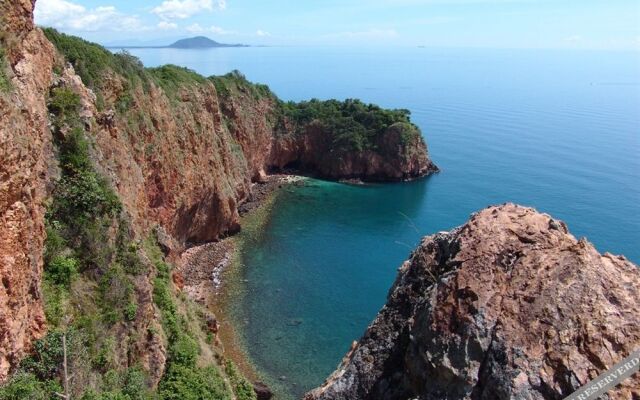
<point>25,157</point>
<point>394,158</point>
<point>508,306</point>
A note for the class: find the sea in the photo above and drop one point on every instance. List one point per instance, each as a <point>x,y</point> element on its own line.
<point>557,130</point>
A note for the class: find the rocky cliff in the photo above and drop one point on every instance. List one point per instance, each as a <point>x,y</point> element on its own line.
<point>26,60</point>
<point>104,162</point>
<point>508,306</point>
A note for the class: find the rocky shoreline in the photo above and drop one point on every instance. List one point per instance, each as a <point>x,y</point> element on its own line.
<point>201,271</point>
<point>261,190</point>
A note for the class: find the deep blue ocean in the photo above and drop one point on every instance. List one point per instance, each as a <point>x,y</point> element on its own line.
<point>555,130</point>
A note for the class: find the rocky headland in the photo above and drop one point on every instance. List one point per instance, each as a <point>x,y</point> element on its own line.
<point>508,306</point>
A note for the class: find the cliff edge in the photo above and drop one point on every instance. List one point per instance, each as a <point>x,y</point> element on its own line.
<point>508,306</point>
<point>26,152</point>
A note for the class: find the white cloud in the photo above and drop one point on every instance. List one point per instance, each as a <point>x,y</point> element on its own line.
<point>166,26</point>
<point>262,33</point>
<point>64,14</point>
<point>197,28</point>
<point>219,31</point>
<point>181,9</point>
<point>573,39</point>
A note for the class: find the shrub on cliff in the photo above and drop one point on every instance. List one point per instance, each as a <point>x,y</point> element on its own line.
<point>89,263</point>
<point>83,202</point>
<point>235,83</point>
<point>25,385</point>
<point>64,105</point>
<point>172,77</point>
<point>242,388</point>
<point>128,385</point>
<point>183,379</point>
<point>188,383</point>
<point>61,269</point>
<point>5,84</point>
<point>91,60</point>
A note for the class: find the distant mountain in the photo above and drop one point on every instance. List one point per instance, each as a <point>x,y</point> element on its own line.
<point>200,42</point>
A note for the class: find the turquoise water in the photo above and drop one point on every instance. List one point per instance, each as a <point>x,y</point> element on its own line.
<point>559,131</point>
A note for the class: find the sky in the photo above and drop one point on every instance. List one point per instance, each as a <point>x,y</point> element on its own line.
<point>556,24</point>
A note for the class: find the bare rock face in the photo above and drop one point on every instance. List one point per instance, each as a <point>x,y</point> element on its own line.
<point>25,152</point>
<point>400,154</point>
<point>507,306</point>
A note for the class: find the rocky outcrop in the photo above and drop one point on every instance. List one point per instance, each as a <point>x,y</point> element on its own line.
<point>400,154</point>
<point>25,154</point>
<point>508,306</point>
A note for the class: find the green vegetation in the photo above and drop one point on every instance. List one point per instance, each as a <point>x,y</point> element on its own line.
<point>62,270</point>
<point>93,62</point>
<point>184,379</point>
<point>27,386</point>
<point>235,83</point>
<point>241,387</point>
<point>129,385</point>
<point>183,382</point>
<point>353,124</point>
<point>171,77</point>
<point>5,83</point>
<point>409,132</point>
<point>89,267</point>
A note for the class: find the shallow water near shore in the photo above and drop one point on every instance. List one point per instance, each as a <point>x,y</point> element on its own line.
<point>558,131</point>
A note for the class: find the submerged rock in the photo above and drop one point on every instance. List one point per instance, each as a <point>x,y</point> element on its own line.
<point>262,391</point>
<point>507,306</point>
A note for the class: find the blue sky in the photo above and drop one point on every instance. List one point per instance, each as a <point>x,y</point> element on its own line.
<point>582,24</point>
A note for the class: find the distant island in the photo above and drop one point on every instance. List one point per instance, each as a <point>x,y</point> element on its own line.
<point>201,42</point>
<point>197,42</point>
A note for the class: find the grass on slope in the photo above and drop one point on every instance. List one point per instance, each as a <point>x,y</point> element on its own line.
<point>5,84</point>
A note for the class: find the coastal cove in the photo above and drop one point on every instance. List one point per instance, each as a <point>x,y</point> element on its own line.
<point>556,131</point>
<point>203,221</point>
<point>277,306</point>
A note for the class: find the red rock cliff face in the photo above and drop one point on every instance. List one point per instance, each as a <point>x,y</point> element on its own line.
<point>395,158</point>
<point>507,306</point>
<point>175,166</point>
<point>25,148</point>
